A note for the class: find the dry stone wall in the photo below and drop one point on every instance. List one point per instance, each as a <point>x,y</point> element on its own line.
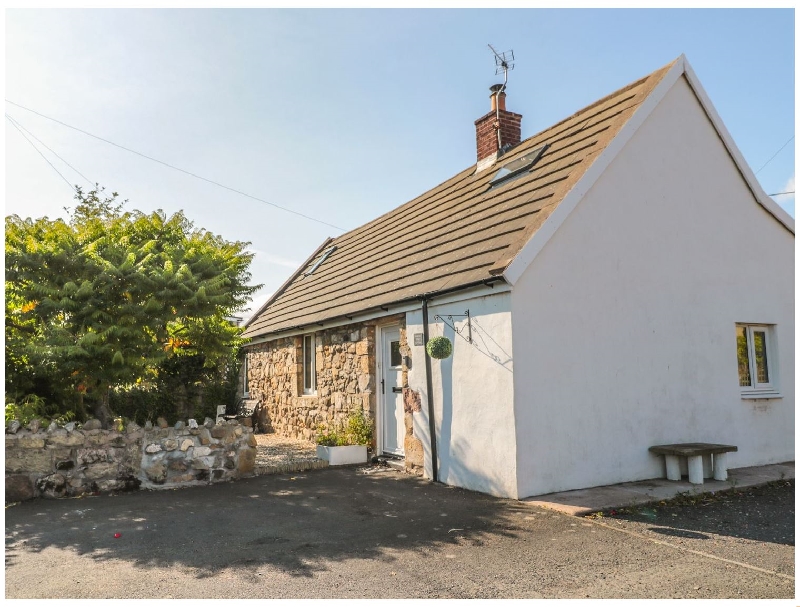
<point>73,461</point>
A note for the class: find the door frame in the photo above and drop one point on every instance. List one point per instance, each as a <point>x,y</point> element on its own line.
<point>380,330</point>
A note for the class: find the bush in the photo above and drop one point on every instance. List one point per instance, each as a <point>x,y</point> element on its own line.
<point>184,388</point>
<point>31,407</point>
<point>357,430</point>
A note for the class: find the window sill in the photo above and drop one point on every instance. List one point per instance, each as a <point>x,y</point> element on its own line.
<point>309,395</point>
<point>761,395</point>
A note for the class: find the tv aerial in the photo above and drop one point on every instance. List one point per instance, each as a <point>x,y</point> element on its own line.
<point>503,62</point>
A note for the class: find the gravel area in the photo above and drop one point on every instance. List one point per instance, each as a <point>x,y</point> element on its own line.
<point>277,451</point>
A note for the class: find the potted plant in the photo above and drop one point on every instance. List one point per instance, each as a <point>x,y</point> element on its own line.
<point>346,444</point>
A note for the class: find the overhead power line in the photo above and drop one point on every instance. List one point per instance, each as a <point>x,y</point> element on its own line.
<point>782,193</point>
<point>33,145</point>
<point>52,151</point>
<point>166,164</point>
<point>775,154</point>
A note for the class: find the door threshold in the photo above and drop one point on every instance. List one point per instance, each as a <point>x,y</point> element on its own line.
<point>393,461</point>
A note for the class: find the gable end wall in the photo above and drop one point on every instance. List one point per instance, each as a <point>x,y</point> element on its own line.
<point>624,323</point>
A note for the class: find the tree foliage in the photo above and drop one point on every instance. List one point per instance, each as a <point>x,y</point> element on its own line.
<point>101,299</point>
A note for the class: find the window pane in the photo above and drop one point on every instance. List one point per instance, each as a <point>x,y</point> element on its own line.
<point>742,353</point>
<point>396,358</point>
<point>760,347</point>
<point>307,354</point>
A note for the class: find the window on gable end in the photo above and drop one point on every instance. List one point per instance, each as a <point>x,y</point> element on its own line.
<point>756,357</point>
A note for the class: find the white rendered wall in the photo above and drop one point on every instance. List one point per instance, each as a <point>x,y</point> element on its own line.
<point>624,324</point>
<point>473,395</point>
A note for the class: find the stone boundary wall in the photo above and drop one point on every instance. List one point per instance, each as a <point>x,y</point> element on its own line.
<point>72,461</point>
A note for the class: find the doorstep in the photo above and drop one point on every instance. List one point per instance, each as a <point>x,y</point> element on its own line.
<point>396,462</point>
<point>581,502</point>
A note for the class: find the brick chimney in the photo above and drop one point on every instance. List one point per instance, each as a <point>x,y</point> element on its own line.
<point>509,124</point>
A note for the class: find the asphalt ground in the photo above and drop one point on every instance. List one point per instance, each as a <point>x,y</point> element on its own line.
<point>372,533</point>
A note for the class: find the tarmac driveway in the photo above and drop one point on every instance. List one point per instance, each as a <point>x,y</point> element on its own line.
<point>372,533</point>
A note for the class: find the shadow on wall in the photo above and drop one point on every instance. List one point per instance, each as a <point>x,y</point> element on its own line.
<point>454,453</point>
<point>482,341</point>
<point>448,465</point>
<point>487,346</point>
<point>292,524</point>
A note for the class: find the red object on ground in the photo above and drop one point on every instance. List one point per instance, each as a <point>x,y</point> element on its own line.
<point>117,535</point>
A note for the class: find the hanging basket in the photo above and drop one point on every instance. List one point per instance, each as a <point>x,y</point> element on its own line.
<point>439,348</point>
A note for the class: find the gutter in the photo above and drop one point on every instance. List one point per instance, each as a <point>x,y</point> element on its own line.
<point>487,282</point>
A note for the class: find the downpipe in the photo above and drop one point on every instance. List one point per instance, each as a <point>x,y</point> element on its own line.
<point>429,381</point>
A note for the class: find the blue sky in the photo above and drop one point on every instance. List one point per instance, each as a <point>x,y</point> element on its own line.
<point>345,114</point>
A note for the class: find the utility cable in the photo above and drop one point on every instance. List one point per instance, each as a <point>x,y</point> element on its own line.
<point>166,164</point>
<point>71,187</point>
<point>52,151</point>
<point>775,154</point>
<point>781,193</point>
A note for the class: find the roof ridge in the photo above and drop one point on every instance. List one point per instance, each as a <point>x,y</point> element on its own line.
<point>594,104</point>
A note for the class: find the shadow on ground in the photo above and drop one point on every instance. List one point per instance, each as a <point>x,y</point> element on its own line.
<point>762,514</point>
<point>295,523</point>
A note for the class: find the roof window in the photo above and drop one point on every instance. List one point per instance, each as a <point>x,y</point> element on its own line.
<point>325,254</point>
<point>517,167</point>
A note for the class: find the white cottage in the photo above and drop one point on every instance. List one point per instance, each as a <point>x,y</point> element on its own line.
<point>617,281</point>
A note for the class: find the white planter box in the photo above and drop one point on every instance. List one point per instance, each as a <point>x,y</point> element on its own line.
<point>340,456</point>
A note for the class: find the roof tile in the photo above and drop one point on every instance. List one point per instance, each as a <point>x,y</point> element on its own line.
<point>460,232</point>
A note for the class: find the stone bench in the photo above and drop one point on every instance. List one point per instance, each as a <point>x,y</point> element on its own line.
<point>699,460</point>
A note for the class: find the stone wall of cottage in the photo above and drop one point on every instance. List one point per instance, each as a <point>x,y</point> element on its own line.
<point>345,379</point>
<point>72,461</point>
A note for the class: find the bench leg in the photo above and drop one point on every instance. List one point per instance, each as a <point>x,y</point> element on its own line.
<point>720,466</point>
<point>673,467</point>
<point>695,469</point>
<point>708,470</point>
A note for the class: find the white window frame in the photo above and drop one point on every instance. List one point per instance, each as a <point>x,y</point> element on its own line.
<point>310,390</point>
<point>246,386</point>
<point>757,388</point>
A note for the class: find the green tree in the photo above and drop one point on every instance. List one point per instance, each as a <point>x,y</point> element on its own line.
<point>99,300</point>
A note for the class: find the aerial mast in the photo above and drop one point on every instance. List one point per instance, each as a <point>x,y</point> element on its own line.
<point>503,62</point>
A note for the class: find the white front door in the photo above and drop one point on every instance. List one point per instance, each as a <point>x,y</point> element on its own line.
<point>393,429</point>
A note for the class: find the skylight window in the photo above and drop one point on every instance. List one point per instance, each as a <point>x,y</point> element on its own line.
<point>325,254</point>
<point>517,167</point>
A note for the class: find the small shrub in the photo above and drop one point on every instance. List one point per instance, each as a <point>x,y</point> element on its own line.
<point>357,430</point>
<point>31,407</point>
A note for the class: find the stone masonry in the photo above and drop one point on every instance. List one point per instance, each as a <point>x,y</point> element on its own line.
<point>345,379</point>
<point>72,461</point>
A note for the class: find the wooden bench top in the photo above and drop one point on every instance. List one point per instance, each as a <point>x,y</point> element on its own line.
<point>692,449</point>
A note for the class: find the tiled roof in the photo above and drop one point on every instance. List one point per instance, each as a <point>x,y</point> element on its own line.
<point>459,233</point>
